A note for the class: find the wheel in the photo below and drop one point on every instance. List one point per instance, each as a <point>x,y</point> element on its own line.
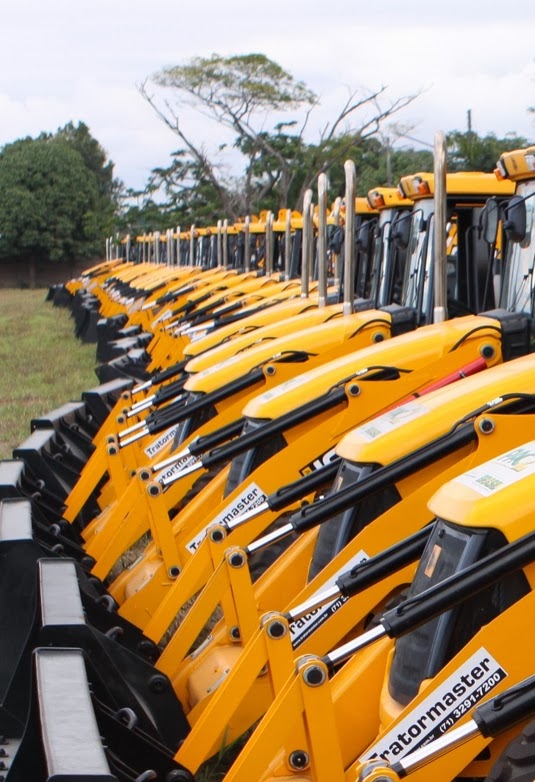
<point>517,761</point>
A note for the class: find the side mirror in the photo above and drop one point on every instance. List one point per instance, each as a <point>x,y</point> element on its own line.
<point>364,234</point>
<point>336,241</point>
<point>488,221</point>
<point>515,219</point>
<point>401,230</point>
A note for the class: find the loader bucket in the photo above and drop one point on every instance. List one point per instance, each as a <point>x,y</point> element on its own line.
<point>70,422</point>
<point>26,541</point>
<point>71,735</point>
<point>101,399</point>
<point>59,296</point>
<point>49,609</point>
<point>50,458</point>
<point>126,680</point>
<point>133,365</point>
<point>85,311</point>
<point>18,481</point>
<point>108,328</point>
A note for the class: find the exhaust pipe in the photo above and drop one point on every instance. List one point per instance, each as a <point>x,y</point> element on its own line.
<point>322,240</point>
<point>440,312</point>
<point>305,253</point>
<point>349,243</point>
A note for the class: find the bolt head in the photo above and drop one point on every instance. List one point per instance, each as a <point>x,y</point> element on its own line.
<point>236,560</point>
<point>217,535</point>
<point>299,759</point>
<point>313,675</point>
<point>486,425</point>
<point>276,629</point>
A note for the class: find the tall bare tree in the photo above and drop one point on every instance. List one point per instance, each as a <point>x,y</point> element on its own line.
<point>243,94</point>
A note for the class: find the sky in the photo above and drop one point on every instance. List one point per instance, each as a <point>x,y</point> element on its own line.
<point>64,61</point>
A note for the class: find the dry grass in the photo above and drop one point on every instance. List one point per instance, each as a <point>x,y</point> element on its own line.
<point>43,365</point>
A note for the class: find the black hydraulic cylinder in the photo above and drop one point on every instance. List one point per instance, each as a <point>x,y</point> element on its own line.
<point>184,411</point>
<point>505,710</point>
<point>207,441</point>
<point>168,392</point>
<point>453,590</point>
<point>208,315</point>
<point>314,514</point>
<point>166,374</point>
<point>300,488</point>
<point>389,561</point>
<point>228,319</point>
<point>194,311</point>
<point>297,416</point>
<point>165,416</point>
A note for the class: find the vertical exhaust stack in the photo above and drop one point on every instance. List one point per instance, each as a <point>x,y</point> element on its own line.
<point>322,240</point>
<point>192,245</point>
<point>219,250</point>
<point>288,245</point>
<point>307,235</point>
<point>337,258</point>
<point>144,248</point>
<point>225,242</point>
<point>169,245</point>
<point>440,312</point>
<point>157,253</point>
<point>349,240</point>
<point>128,246</point>
<point>178,258</point>
<point>247,245</point>
<point>269,244</point>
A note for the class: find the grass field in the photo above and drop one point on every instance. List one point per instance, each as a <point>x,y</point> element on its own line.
<point>42,364</point>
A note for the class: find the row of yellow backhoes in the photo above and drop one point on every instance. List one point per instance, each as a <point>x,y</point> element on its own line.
<point>292,527</point>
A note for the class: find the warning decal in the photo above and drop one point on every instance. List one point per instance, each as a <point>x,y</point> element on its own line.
<point>442,709</point>
<point>250,498</point>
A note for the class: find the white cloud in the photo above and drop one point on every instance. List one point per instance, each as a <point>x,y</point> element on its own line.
<point>61,61</point>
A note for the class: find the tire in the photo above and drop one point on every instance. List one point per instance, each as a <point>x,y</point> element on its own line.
<point>517,761</point>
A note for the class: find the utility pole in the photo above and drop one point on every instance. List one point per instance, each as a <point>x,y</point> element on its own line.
<point>388,162</point>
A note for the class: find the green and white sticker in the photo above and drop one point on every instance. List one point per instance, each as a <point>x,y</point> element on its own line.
<point>390,420</point>
<point>503,471</point>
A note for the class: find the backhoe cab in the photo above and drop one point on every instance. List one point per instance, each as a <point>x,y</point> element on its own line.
<point>479,513</point>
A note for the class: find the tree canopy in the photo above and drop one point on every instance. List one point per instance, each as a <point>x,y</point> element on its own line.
<point>470,152</point>
<point>249,96</point>
<point>57,197</point>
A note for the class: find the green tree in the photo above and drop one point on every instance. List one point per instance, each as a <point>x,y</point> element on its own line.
<point>53,207</point>
<point>243,94</point>
<point>470,152</point>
